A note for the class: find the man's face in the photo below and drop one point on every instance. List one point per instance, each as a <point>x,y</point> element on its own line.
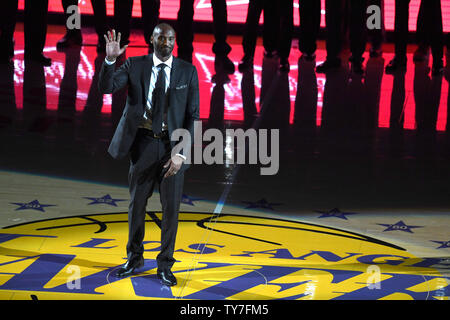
<point>163,41</point>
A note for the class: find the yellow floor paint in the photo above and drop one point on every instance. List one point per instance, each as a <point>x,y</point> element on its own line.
<point>218,257</point>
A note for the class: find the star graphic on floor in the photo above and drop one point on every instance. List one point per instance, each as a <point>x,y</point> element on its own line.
<point>399,226</point>
<point>106,199</point>
<point>33,205</point>
<point>260,204</point>
<point>444,244</point>
<point>189,200</point>
<point>335,213</point>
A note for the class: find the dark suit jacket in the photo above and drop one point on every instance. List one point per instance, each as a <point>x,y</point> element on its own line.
<point>183,98</point>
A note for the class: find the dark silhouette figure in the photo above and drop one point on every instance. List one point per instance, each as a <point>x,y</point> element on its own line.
<point>310,14</point>
<point>429,33</point>
<point>35,30</point>
<point>255,8</point>
<point>335,15</point>
<point>185,34</point>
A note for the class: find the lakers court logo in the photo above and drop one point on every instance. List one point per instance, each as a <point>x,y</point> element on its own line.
<point>218,257</point>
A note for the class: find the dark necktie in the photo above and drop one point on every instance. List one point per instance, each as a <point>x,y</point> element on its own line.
<point>159,94</point>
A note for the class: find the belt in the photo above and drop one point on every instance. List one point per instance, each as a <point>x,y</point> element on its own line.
<point>161,135</point>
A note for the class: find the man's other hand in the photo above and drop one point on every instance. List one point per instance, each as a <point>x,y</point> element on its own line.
<point>174,165</point>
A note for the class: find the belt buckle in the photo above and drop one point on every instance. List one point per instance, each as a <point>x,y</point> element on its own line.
<point>158,135</point>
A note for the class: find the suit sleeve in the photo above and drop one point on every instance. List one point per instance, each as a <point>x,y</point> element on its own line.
<point>111,80</point>
<point>191,113</point>
<point>193,103</point>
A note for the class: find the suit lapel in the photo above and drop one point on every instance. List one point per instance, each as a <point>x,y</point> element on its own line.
<point>146,75</point>
<point>174,74</point>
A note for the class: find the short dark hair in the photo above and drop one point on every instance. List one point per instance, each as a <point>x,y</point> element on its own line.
<point>161,26</point>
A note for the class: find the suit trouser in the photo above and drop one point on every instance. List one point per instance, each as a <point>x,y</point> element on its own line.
<point>401,28</point>
<point>35,26</point>
<point>147,158</point>
<point>185,31</point>
<point>335,14</point>
<point>99,8</point>
<point>429,29</point>
<point>270,31</point>
<point>66,4</point>
<point>285,27</point>
<point>101,21</point>
<point>8,16</point>
<point>150,17</point>
<point>310,14</point>
<point>377,35</point>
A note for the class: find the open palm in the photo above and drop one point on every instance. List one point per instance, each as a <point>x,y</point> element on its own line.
<point>113,49</point>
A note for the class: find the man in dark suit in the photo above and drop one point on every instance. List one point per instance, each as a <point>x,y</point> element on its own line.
<point>8,16</point>
<point>377,35</point>
<point>74,36</point>
<point>429,33</point>
<point>150,18</point>
<point>335,16</point>
<point>400,36</point>
<point>185,31</point>
<point>163,96</point>
<point>270,31</point>
<point>35,30</point>
<point>285,28</point>
<point>309,11</point>
<point>122,20</point>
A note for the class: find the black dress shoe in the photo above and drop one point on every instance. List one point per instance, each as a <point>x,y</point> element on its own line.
<point>6,51</point>
<point>222,62</point>
<point>269,54</point>
<point>39,58</point>
<point>375,52</point>
<point>284,65</point>
<point>395,64</point>
<point>356,65</point>
<point>166,276</point>
<point>71,38</point>
<point>421,54</point>
<point>438,68</point>
<point>6,56</point>
<point>328,65</point>
<point>246,63</point>
<point>308,56</point>
<point>129,267</point>
<point>101,43</point>
<point>357,68</point>
<point>101,47</point>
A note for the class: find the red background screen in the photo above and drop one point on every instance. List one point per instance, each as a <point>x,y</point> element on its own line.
<point>237,10</point>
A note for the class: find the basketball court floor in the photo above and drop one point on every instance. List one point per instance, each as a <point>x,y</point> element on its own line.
<point>358,208</point>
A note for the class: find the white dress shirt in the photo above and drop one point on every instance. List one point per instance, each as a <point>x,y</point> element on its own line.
<point>147,121</point>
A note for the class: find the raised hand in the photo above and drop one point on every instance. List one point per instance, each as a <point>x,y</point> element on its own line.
<point>113,49</point>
